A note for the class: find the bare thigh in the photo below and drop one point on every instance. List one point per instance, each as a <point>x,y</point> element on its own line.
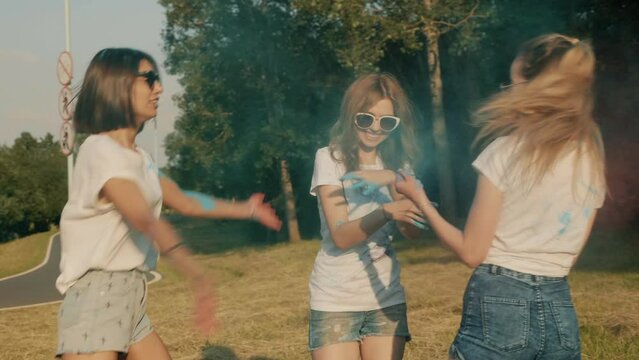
<point>149,348</point>
<point>102,355</point>
<point>342,351</point>
<point>383,347</point>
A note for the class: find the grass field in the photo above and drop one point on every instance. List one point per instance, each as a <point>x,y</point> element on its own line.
<point>263,299</point>
<point>24,254</point>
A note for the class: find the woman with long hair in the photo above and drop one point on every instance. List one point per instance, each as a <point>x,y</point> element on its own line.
<point>541,180</point>
<point>357,303</point>
<point>111,230</point>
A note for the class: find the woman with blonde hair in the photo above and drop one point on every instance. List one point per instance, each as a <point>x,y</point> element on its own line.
<point>541,179</point>
<point>357,303</point>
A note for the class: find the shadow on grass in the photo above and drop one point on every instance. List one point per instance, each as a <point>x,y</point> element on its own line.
<point>611,251</point>
<point>425,250</point>
<point>217,352</point>
<point>445,259</point>
<point>208,236</point>
<point>607,250</point>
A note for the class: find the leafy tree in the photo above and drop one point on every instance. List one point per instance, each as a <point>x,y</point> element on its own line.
<point>33,183</point>
<point>263,79</point>
<point>362,33</point>
<point>255,83</point>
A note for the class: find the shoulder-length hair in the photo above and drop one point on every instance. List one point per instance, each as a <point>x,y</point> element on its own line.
<point>399,149</point>
<point>104,102</point>
<point>550,112</point>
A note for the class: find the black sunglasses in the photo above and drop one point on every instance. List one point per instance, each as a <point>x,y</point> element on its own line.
<point>387,123</point>
<point>150,77</point>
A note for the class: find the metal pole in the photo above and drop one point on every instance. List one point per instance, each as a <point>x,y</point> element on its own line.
<point>67,47</point>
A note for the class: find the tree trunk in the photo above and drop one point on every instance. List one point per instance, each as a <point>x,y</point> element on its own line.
<point>444,166</point>
<point>289,199</point>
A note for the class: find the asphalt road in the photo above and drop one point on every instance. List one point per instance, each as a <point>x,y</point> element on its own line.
<point>37,286</point>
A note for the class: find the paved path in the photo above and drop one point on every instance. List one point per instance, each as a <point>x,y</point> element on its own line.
<point>37,286</point>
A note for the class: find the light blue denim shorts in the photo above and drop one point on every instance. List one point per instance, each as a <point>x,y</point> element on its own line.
<point>513,315</point>
<point>326,328</point>
<point>103,311</point>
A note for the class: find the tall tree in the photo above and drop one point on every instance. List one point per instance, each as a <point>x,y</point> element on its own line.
<point>33,183</point>
<point>253,95</point>
<point>360,32</point>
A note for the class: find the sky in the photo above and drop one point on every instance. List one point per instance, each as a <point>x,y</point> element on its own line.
<point>32,36</point>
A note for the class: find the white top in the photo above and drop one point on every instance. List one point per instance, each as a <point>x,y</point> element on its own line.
<point>542,228</point>
<point>364,277</point>
<point>93,233</point>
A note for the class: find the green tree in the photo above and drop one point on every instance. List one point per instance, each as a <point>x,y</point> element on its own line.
<point>362,32</point>
<point>33,183</point>
<point>255,80</point>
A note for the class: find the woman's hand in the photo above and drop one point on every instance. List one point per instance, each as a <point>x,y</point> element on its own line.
<point>404,211</point>
<point>205,305</point>
<point>262,212</point>
<point>409,187</point>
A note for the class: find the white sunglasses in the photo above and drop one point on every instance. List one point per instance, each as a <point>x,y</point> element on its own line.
<point>387,123</point>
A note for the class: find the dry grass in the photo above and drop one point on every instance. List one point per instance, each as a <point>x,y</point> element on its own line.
<point>23,254</point>
<point>263,301</point>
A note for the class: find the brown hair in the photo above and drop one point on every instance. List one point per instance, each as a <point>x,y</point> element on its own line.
<point>550,112</point>
<point>104,102</point>
<point>399,149</point>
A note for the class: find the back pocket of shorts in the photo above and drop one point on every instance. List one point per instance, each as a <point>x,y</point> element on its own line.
<point>565,317</point>
<point>505,322</point>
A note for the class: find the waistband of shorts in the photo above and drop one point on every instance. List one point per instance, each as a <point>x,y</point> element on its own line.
<point>500,270</point>
<point>136,270</point>
<point>101,272</point>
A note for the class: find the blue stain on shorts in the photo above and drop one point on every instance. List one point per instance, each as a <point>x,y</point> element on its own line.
<point>327,328</point>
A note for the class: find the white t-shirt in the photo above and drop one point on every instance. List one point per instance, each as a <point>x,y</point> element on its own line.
<point>366,276</point>
<point>542,228</point>
<point>94,235</point>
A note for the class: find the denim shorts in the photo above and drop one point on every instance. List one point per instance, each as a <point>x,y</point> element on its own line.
<point>513,315</point>
<point>326,328</point>
<point>103,311</point>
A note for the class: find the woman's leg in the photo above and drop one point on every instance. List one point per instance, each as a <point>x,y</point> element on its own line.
<point>103,355</point>
<point>334,335</point>
<point>94,312</point>
<point>384,333</point>
<point>150,347</point>
<point>341,351</point>
<point>383,347</point>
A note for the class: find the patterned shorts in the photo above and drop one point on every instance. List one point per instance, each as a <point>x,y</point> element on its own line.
<point>326,328</point>
<point>103,311</point>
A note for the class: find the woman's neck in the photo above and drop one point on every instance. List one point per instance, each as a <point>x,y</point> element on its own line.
<point>125,137</point>
<point>367,156</point>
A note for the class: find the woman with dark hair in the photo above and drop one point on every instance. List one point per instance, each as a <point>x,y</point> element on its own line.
<point>111,230</point>
<point>541,181</point>
<point>357,303</point>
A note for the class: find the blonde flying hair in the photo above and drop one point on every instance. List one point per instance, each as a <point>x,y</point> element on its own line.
<point>550,112</point>
<point>399,149</point>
